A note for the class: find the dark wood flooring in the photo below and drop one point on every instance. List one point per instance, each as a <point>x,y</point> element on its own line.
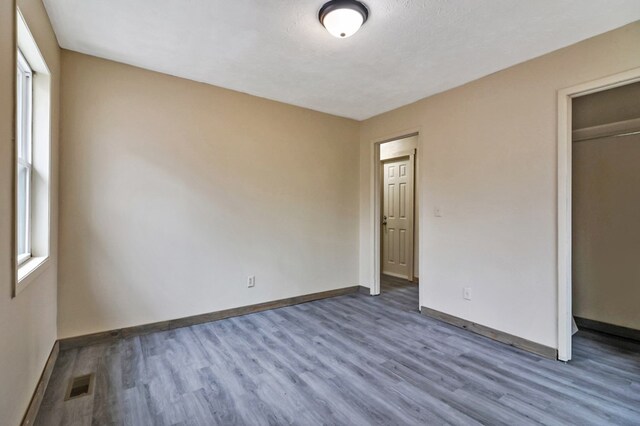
<point>350,360</point>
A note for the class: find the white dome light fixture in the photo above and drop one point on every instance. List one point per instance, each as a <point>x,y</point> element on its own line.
<point>343,18</point>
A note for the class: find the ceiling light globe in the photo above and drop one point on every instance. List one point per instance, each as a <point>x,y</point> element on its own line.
<point>343,23</point>
<point>343,18</point>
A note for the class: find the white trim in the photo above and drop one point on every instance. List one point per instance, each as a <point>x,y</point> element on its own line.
<point>375,217</point>
<point>398,154</point>
<point>24,142</point>
<point>565,97</point>
<point>23,258</point>
<point>29,47</point>
<point>29,271</point>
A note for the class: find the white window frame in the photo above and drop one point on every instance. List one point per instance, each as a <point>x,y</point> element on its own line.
<point>32,147</point>
<point>24,142</point>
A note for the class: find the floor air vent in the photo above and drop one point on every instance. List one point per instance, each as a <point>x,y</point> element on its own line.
<point>79,386</point>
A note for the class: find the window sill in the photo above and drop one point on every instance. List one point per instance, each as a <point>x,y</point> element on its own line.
<point>29,271</point>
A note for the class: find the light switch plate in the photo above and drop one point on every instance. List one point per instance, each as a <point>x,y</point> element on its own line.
<point>466,293</point>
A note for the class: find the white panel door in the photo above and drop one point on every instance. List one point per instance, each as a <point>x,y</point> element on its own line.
<point>397,218</point>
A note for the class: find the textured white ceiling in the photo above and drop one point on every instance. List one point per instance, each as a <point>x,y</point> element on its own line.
<point>277,49</point>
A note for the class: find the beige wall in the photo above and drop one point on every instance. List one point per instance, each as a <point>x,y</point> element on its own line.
<point>174,192</point>
<point>27,322</point>
<point>609,106</point>
<point>390,150</point>
<point>488,161</point>
<point>606,210</point>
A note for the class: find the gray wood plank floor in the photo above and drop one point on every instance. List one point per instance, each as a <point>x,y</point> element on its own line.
<point>350,360</point>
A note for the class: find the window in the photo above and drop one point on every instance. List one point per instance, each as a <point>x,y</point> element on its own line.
<point>24,131</point>
<point>32,207</point>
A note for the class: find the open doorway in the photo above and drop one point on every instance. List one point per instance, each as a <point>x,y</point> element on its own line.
<point>597,193</point>
<point>605,216</point>
<point>399,225</point>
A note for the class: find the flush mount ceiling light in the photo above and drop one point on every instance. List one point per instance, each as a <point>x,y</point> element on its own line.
<point>343,18</point>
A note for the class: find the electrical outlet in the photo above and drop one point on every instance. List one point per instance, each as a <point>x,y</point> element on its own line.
<point>466,293</point>
<point>251,281</point>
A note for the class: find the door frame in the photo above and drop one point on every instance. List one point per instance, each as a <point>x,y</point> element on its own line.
<point>375,178</point>
<point>412,159</point>
<point>565,97</point>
